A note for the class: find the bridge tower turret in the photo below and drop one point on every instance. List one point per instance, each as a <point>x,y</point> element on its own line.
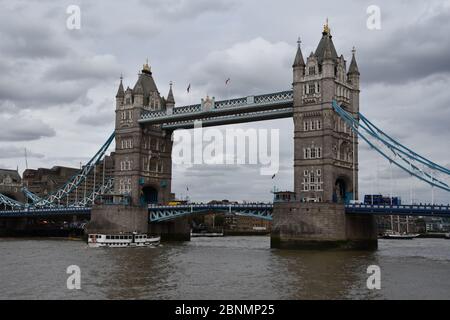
<point>170,101</point>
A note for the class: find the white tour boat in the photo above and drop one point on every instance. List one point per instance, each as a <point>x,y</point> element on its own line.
<point>122,240</point>
<point>401,236</point>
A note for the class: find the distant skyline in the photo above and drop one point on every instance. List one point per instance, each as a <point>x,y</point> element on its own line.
<point>57,86</point>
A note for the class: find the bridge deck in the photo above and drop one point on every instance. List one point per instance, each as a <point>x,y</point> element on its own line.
<point>258,210</point>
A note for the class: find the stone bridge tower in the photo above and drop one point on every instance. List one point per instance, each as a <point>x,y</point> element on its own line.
<point>325,157</point>
<point>143,153</point>
<point>143,165</point>
<point>325,154</point>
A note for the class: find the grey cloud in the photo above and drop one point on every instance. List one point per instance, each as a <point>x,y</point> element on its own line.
<point>187,10</point>
<point>414,50</point>
<point>99,67</point>
<point>64,83</point>
<point>404,69</point>
<point>39,95</point>
<point>243,183</point>
<point>100,115</point>
<point>255,66</point>
<point>16,152</point>
<point>42,64</point>
<point>23,129</point>
<point>24,35</point>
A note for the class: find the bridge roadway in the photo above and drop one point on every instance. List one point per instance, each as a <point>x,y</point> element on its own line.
<point>158,213</point>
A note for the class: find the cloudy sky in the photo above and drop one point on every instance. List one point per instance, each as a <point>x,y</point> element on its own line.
<point>57,86</point>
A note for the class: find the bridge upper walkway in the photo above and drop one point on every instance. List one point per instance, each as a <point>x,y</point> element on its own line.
<point>246,109</point>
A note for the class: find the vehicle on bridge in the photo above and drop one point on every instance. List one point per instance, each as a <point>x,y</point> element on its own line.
<point>378,199</point>
<point>177,202</point>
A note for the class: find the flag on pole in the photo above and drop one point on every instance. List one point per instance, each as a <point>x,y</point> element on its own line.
<point>187,188</point>
<point>273,175</point>
<point>227,81</point>
<point>188,88</point>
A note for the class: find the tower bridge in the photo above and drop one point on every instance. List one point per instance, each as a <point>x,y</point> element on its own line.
<point>324,105</point>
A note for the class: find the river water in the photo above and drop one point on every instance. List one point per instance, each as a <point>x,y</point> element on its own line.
<point>222,268</point>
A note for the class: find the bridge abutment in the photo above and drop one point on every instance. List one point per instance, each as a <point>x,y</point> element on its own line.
<point>174,230</point>
<point>13,226</point>
<point>300,225</point>
<point>112,219</point>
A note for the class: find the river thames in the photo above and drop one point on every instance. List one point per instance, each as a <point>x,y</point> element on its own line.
<point>222,268</point>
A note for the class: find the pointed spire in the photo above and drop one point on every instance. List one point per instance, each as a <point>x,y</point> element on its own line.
<point>138,89</point>
<point>120,92</point>
<point>299,62</point>
<point>327,55</point>
<point>326,46</point>
<point>170,98</point>
<point>353,69</point>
